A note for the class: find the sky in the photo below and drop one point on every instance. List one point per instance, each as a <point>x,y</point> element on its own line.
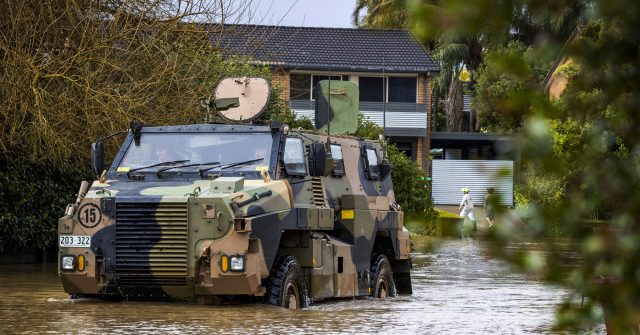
<point>307,13</point>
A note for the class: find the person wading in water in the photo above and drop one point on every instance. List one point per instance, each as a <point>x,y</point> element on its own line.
<point>490,202</point>
<point>467,207</point>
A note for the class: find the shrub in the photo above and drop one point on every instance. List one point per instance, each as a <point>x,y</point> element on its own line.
<point>32,198</point>
<point>411,186</point>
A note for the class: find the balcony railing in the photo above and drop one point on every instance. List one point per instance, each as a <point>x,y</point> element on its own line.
<point>401,119</point>
<point>367,106</point>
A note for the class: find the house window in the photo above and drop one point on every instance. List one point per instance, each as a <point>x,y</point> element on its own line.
<point>402,89</point>
<point>302,86</point>
<point>392,89</point>
<point>372,89</point>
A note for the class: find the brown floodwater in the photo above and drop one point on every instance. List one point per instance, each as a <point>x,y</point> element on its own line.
<point>457,290</point>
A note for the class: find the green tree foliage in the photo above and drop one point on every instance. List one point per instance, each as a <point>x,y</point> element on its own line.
<point>462,41</point>
<point>411,186</point>
<point>32,198</point>
<point>279,110</point>
<point>496,88</point>
<point>545,184</point>
<point>588,143</point>
<point>367,129</point>
<point>75,71</point>
<point>452,54</point>
<point>381,14</point>
<point>455,48</point>
<point>463,32</point>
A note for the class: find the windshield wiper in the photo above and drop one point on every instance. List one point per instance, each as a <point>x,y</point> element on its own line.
<point>159,172</point>
<point>157,164</point>
<point>226,166</point>
<point>241,163</point>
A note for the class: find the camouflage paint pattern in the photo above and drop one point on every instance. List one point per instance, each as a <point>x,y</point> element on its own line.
<point>165,238</point>
<point>339,106</point>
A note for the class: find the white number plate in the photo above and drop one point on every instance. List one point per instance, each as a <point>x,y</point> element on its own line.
<point>75,241</point>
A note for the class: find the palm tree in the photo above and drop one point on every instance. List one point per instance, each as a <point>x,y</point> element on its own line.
<point>457,50</point>
<point>452,55</point>
<point>381,14</point>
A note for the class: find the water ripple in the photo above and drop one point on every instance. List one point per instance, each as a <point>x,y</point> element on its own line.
<point>457,290</point>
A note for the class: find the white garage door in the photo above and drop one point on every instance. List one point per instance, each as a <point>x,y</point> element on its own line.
<point>449,176</point>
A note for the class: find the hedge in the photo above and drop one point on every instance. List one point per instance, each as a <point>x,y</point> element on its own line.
<point>32,198</point>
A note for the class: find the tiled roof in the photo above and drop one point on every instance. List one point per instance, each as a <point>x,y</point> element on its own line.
<point>342,49</point>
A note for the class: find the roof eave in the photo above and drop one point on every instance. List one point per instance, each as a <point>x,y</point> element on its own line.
<point>345,68</point>
<point>562,57</point>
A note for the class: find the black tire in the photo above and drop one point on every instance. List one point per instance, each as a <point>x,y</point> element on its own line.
<point>286,286</point>
<point>382,284</point>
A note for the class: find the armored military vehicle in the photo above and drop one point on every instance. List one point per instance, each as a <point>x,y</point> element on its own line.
<point>216,212</point>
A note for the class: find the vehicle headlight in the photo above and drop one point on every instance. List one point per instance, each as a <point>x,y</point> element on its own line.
<point>68,262</point>
<point>236,263</point>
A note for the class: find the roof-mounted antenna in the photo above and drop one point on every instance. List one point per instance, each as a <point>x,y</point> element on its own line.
<point>385,83</point>
<point>329,98</point>
<point>328,144</point>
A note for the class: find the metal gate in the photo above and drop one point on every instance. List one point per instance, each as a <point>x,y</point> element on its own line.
<point>450,176</point>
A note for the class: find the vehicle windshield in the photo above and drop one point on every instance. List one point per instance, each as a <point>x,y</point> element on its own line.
<point>195,148</point>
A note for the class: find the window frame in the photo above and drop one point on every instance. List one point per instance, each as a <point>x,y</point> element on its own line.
<point>372,171</point>
<point>288,170</point>
<point>385,87</point>
<point>322,75</point>
<point>152,141</point>
<point>415,100</point>
<point>385,82</point>
<point>339,170</point>
<point>343,77</point>
<point>292,89</point>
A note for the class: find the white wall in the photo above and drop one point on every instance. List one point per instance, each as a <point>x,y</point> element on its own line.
<point>450,176</point>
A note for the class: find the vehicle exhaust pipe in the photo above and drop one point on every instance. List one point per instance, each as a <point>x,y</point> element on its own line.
<point>84,187</point>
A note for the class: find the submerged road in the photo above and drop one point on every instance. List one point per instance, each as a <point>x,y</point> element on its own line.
<point>457,290</point>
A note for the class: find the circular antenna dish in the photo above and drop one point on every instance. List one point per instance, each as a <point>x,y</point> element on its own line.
<point>241,99</point>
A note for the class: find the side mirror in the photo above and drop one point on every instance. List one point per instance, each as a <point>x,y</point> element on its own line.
<point>385,170</point>
<point>317,159</point>
<point>97,157</point>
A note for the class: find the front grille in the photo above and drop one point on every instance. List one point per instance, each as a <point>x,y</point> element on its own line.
<point>151,243</point>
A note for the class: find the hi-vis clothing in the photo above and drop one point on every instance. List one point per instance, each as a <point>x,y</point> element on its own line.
<point>467,202</point>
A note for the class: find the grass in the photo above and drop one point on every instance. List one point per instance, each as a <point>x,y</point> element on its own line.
<point>446,224</point>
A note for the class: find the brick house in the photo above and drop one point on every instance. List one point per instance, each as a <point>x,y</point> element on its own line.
<point>392,70</point>
<point>555,82</point>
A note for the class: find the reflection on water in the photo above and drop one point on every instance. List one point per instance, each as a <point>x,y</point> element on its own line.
<point>457,290</point>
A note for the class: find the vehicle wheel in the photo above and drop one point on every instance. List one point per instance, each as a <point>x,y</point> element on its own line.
<point>286,286</point>
<point>382,285</point>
